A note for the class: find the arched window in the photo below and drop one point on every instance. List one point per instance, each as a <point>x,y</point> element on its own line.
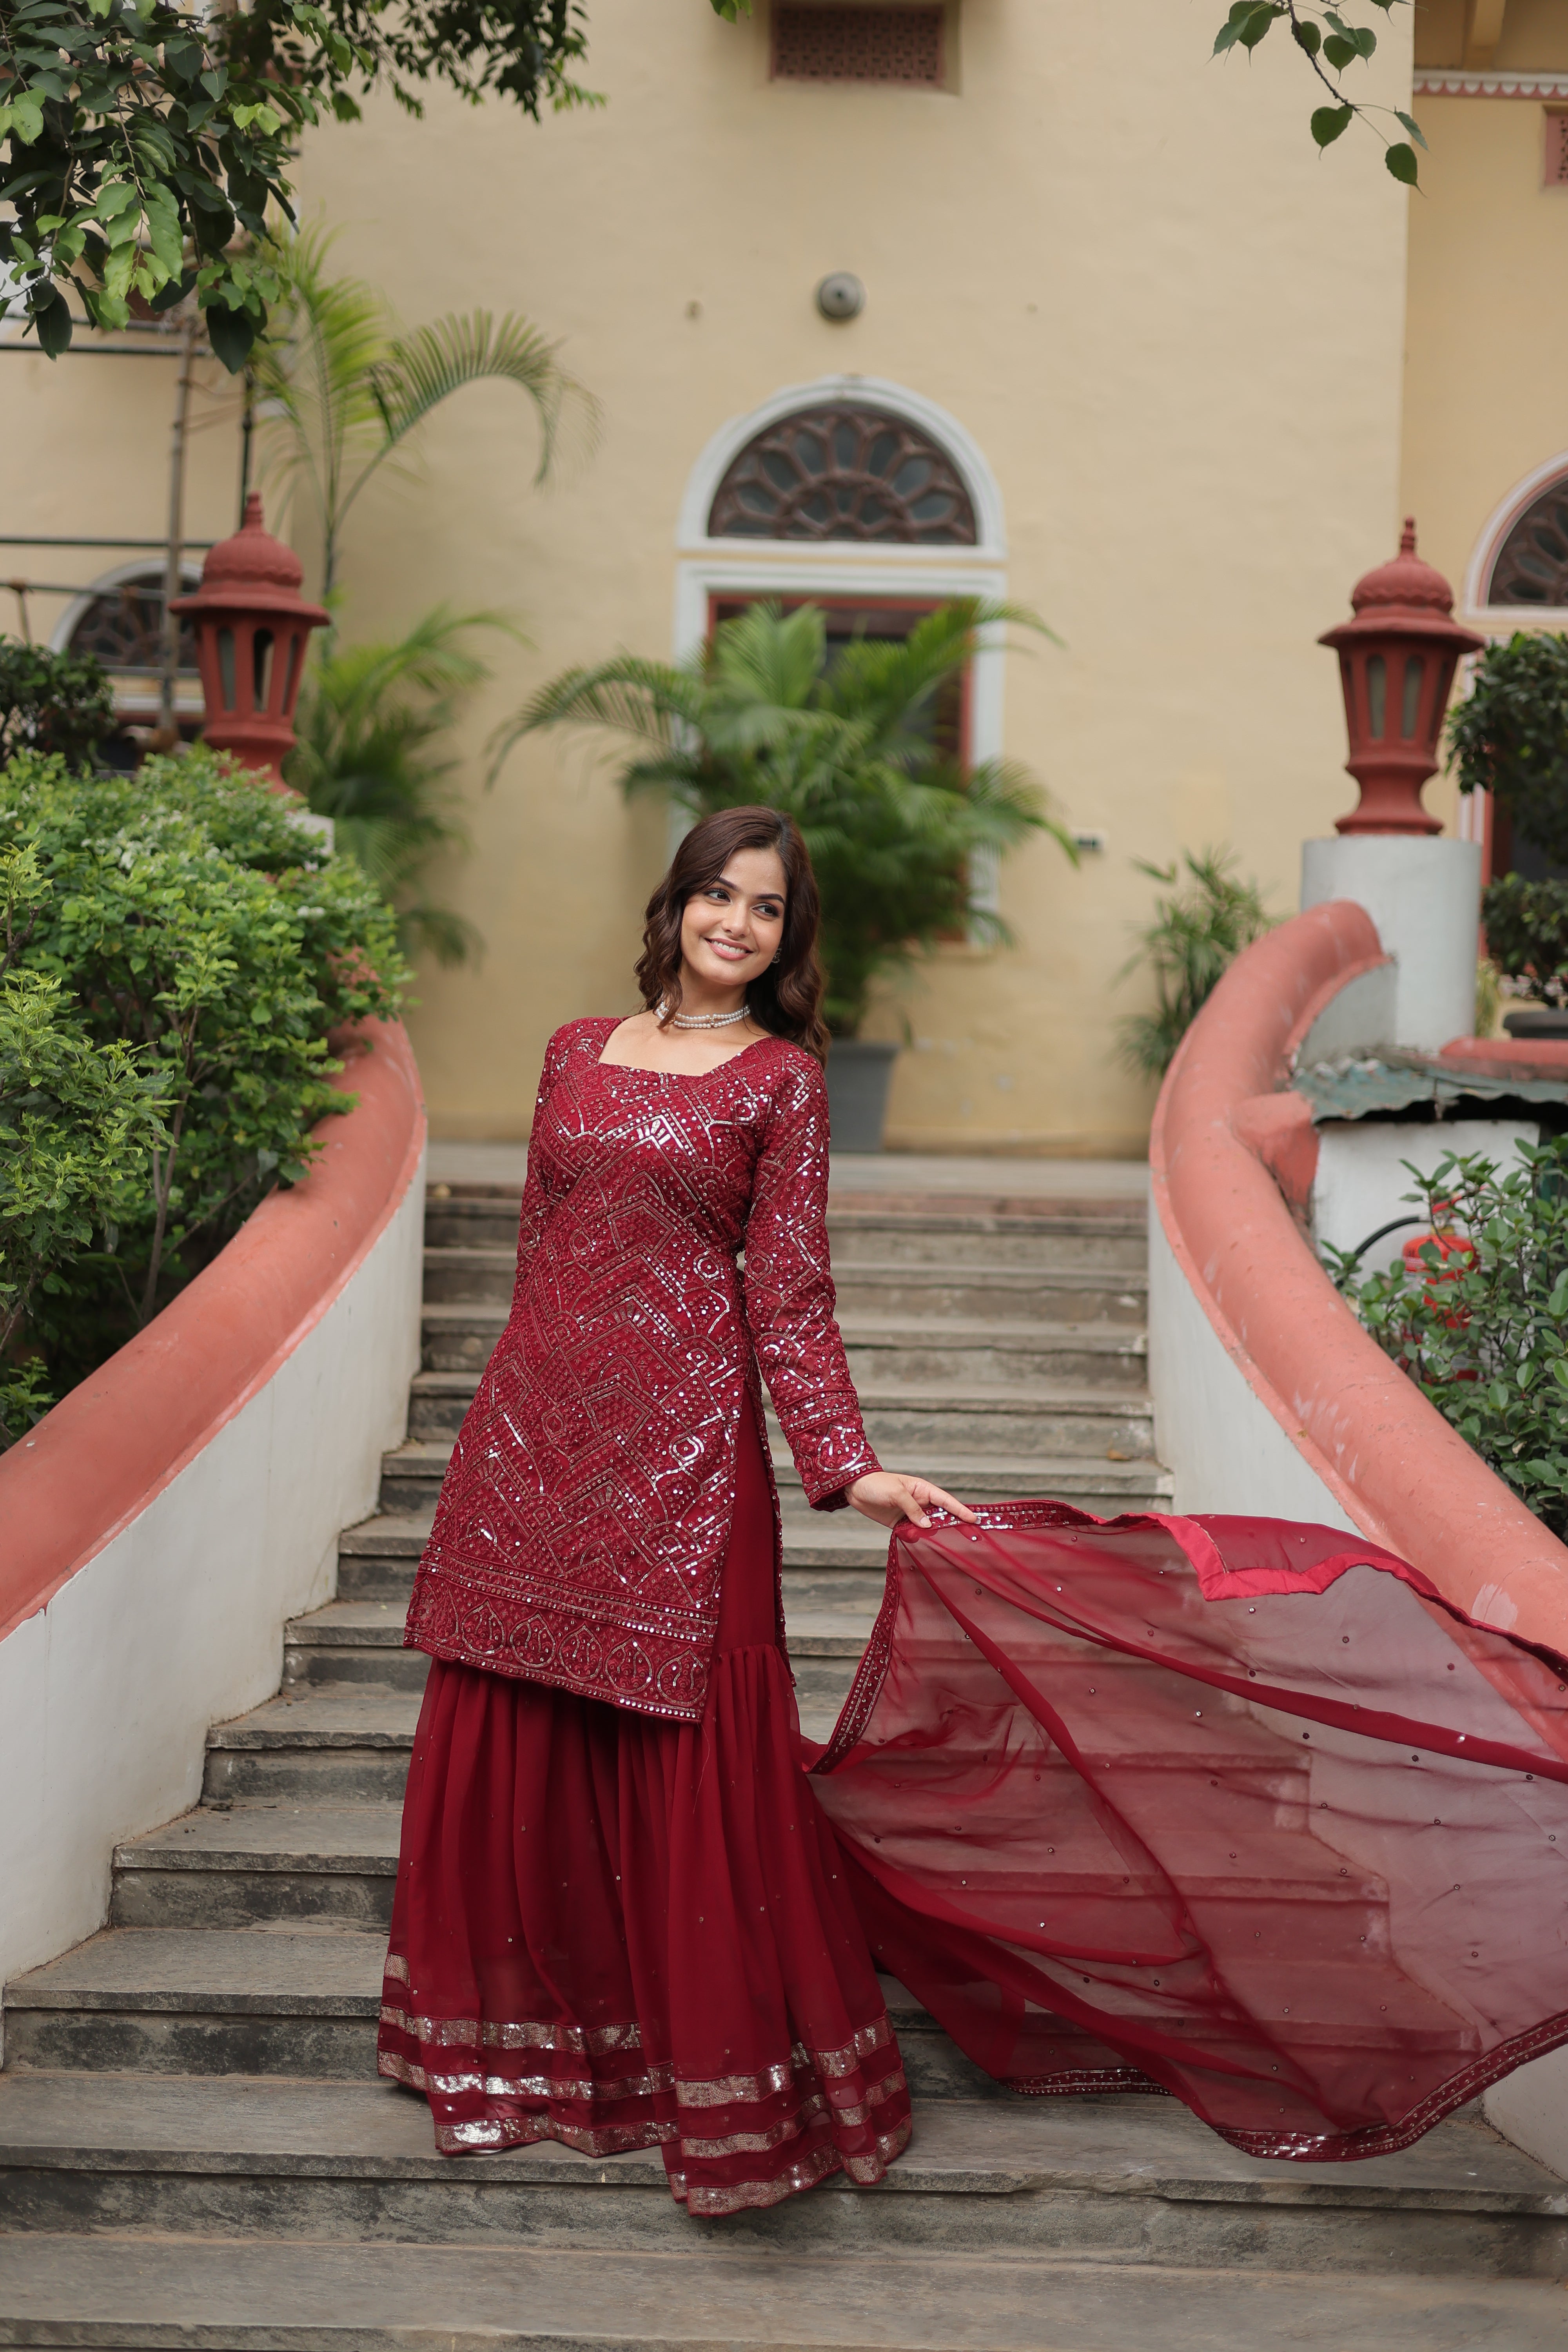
<point>119,619</point>
<point>122,622</point>
<point>1531,567</point>
<point>863,497</point>
<point>843,472</point>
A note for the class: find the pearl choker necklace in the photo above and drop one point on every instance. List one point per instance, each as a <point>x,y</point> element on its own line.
<point>702,1020</point>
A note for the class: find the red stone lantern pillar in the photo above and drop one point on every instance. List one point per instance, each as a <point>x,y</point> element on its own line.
<point>1396,666</point>
<point>252,628</point>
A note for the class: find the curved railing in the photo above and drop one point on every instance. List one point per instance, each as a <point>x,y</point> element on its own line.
<point>159,1526</point>
<point>115,1441</point>
<point>1273,1395</point>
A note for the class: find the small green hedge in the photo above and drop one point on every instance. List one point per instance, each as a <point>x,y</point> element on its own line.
<point>175,950</point>
<point>1481,1323</point>
<point>1527,933</point>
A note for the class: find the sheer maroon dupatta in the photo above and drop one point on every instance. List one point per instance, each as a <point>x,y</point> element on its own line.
<point>1235,1808</point>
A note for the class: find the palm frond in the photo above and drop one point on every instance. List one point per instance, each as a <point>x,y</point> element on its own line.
<point>342,388</point>
<point>650,701</point>
<point>315,369</point>
<point>844,748</point>
<point>765,655</point>
<point>420,370</point>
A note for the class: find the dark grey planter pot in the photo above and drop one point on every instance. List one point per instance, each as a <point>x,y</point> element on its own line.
<point>858,1074</point>
<point>1540,1021</point>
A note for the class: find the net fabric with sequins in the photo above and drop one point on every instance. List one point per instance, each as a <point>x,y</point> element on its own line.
<point>583,1523</point>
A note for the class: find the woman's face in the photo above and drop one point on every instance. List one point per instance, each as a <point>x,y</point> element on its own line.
<point>732,928</point>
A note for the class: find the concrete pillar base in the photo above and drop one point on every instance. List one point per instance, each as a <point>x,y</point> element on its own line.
<point>1424,896</point>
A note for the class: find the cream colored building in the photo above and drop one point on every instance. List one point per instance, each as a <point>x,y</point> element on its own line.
<point>1185,372</point>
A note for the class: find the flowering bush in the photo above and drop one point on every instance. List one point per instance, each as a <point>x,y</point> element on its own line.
<point>1476,1313</point>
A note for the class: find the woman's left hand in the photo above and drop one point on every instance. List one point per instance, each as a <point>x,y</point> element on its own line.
<point>885,1496</point>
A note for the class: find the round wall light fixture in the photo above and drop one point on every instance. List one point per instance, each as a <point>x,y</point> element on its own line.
<point>842,296</point>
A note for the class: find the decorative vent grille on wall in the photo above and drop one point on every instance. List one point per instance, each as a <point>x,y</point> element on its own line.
<point>1556,173</point>
<point>824,43</point>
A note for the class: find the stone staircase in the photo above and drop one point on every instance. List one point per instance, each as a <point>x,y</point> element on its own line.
<point>195,2151</point>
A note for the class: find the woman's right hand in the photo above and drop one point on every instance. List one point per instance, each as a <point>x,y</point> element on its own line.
<point>889,1498</point>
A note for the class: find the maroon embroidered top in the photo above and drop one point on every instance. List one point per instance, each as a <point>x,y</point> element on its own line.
<point>583,1525</point>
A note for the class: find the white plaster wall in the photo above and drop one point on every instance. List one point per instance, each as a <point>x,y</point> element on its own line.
<point>1530,2108</point>
<point>1361,1182</point>
<point>1219,1441</point>
<point>1424,895</point>
<point>106,1696</point>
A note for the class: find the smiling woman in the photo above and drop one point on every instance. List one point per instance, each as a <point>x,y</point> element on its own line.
<point>729,945</point>
<point>646,1940</point>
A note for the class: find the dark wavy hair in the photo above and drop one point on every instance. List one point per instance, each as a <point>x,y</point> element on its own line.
<point>787,997</point>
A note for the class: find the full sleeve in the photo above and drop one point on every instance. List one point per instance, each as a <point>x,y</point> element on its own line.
<point>535,1197</point>
<point>789,1293</point>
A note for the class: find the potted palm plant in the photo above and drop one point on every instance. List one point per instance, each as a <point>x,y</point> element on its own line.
<point>850,749</point>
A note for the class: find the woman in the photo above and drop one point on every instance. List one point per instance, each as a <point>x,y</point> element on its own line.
<point>1230,1808</point>
<point>621,1919</point>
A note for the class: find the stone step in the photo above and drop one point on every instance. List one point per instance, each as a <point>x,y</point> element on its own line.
<point>362,1642</point>
<point>1034,1417</point>
<point>376,1560</point>
<point>466,1277</point>
<point>282,2001</point>
<point>285,2002</point>
<point>723,2290</point>
<point>918,1349</point>
<point>881,1286</point>
<point>212,1868</point>
<point>330,1743</point>
<point>1101,1485</point>
<point>910,1348</point>
<point>1053,1420</point>
<point>1044,1240</point>
<point>715,2295</point>
<point>333,1862</point>
<point>1124,2185</point>
<point>914,1228</point>
<point>340,1742</point>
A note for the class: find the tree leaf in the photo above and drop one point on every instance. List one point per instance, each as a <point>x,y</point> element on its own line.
<point>1341,51</point>
<point>1307,36</point>
<point>1412,126</point>
<point>1401,160</point>
<point>51,321</point>
<point>1328,121</point>
<point>231,334</point>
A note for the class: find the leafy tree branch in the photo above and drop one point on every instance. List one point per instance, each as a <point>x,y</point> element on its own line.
<point>141,142</point>
<point>1330,40</point>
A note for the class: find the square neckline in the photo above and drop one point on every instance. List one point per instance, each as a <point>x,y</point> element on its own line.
<point>689,1077</point>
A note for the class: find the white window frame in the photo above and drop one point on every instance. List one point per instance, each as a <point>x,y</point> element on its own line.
<point>1489,546</point>
<point>706,567</point>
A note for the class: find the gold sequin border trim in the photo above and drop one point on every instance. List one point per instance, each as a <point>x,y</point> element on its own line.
<point>713,2091</point>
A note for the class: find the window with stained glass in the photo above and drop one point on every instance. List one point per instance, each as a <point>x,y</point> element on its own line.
<point>1531,567</point>
<point>847,473</point>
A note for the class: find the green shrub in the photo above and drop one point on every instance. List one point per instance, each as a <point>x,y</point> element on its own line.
<point>200,940</point>
<point>1194,935</point>
<point>1509,736</point>
<point>1527,931</point>
<point>76,1122</point>
<point>52,702</point>
<point>1482,1326</point>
